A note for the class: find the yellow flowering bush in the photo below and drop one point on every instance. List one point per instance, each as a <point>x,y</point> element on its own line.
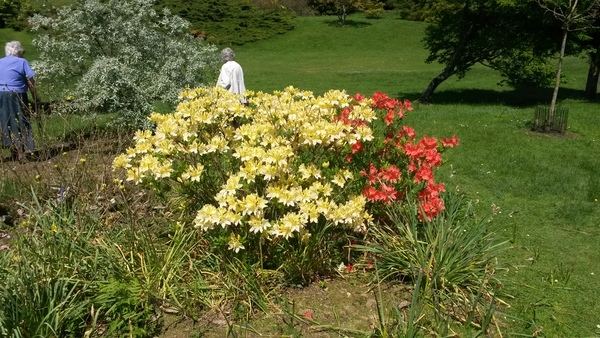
<point>263,172</point>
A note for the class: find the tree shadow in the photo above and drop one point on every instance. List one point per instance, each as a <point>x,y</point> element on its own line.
<point>348,23</point>
<point>522,97</point>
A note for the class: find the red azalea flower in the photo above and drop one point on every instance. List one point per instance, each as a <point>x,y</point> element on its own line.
<point>349,268</point>
<point>389,193</point>
<point>358,97</point>
<point>308,314</point>
<point>452,142</point>
<point>359,123</point>
<point>389,118</point>
<point>356,147</point>
<point>429,142</point>
<point>424,174</point>
<point>410,132</point>
<point>400,113</point>
<point>370,193</point>
<point>408,105</point>
<point>412,167</point>
<point>413,151</point>
<point>391,174</point>
<point>433,157</point>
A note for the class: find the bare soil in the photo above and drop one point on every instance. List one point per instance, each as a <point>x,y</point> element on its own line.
<point>343,307</point>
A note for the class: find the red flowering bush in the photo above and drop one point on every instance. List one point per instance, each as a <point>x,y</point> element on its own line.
<point>397,165</point>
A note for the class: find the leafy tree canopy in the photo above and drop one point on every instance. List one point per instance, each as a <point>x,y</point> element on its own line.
<point>122,55</point>
<point>495,33</point>
<point>342,8</point>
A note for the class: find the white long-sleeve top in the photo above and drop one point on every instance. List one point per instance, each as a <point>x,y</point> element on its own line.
<point>232,78</point>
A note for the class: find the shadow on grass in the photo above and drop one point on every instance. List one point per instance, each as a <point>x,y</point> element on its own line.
<point>523,97</point>
<point>348,23</point>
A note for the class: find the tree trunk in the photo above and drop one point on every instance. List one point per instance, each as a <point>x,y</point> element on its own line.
<point>591,86</point>
<point>450,68</point>
<point>342,14</point>
<point>445,74</point>
<point>557,85</point>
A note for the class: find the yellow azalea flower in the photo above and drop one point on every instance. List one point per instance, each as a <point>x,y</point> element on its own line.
<point>207,217</point>
<point>121,161</point>
<point>253,205</point>
<point>290,223</point>
<point>235,243</point>
<point>275,191</point>
<point>193,173</point>
<point>339,180</point>
<point>309,209</point>
<point>341,176</point>
<point>249,171</point>
<point>133,174</point>
<point>163,170</point>
<point>148,163</point>
<point>258,224</point>
<point>217,143</point>
<point>310,194</point>
<point>229,217</point>
<point>269,172</point>
<point>142,135</point>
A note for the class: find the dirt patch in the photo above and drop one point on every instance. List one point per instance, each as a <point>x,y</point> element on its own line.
<point>331,308</point>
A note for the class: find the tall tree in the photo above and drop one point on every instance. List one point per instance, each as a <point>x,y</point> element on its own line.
<point>344,7</point>
<point>119,56</point>
<point>593,47</point>
<point>574,15</point>
<point>468,32</point>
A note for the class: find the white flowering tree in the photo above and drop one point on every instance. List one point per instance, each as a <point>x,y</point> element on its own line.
<point>119,56</point>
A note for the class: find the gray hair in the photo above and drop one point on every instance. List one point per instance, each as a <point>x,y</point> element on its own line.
<point>13,48</point>
<point>227,54</point>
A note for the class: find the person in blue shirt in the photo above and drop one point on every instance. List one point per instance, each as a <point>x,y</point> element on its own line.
<point>16,78</point>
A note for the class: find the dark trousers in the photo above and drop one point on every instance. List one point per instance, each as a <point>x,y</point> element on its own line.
<point>15,122</point>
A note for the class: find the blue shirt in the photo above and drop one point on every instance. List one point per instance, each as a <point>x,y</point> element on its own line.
<point>14,72</point>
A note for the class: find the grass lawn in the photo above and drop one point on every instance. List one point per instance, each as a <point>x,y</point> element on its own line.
<point>545,189</point>
<point>541,191</point>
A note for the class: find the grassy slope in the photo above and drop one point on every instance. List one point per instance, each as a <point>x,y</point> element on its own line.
<point>547,188</point>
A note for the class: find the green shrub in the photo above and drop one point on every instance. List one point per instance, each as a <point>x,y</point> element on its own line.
<point>231,21</point>
<point>282,182</point>
<point>14,14</point>
<point>69,273</point>
<point>450,258</point>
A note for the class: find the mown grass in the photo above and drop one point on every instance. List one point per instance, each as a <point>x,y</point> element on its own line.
<point>544,189</point>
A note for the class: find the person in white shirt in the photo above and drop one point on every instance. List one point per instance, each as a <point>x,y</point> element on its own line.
<point>232,75</point>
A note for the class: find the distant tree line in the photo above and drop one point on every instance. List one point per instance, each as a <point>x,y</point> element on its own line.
<point>232,21</point>
<point>219,21</point>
